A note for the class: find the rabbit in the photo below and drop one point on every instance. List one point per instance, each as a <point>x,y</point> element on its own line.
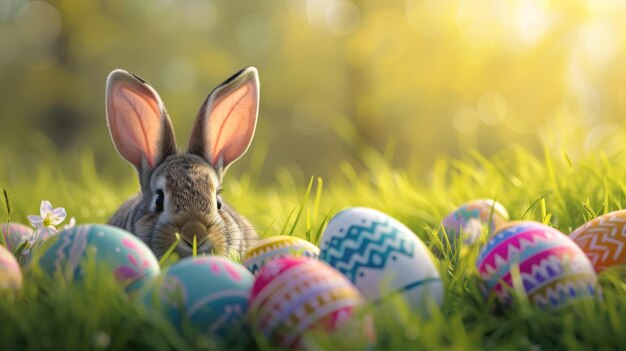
<point>180,191</point>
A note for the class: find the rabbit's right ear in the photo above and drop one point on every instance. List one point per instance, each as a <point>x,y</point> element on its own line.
<point>140,127</point>
<point>226,122</point>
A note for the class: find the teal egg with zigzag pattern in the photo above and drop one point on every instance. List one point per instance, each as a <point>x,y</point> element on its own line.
<point>382,257</point>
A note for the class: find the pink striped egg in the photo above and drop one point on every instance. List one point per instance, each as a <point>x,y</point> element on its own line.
<point>554,271</point>
<point>293,296</point>
<point>10,273</point>
<point>15,234</point>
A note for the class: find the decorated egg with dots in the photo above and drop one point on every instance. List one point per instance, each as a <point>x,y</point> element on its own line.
<point>15,234</point>
<point>294,296</point>
<point>209,293</point>
<point>277,247</point>
<point>553,270</point>
<point>382,257</point>
<point>465,224</point>
<point>10,272</point>
<point>128,258</point>
<point>603,240</point>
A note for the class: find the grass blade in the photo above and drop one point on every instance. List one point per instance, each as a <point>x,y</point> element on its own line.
<point>293,210</point>
<point>302,205</point>
<point>194,247</point>
<point>169,251</point>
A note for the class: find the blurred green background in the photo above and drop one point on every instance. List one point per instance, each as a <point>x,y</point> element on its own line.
<point>414,79</point>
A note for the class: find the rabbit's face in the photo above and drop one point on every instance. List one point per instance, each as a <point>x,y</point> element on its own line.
<point>183,198</point>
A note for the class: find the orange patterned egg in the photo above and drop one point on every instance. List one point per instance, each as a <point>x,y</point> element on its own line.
<point>603,240</point>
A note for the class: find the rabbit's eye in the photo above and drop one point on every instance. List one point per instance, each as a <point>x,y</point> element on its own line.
<point>219,203</point>
<point>158,204</point>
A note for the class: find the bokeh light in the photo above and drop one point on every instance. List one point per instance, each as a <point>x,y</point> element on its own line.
<point>338,77</point>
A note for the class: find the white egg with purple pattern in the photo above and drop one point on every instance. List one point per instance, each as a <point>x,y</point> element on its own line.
<point>382,257</point>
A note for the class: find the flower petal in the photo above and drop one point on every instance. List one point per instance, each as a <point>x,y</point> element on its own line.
<point>45,208</point>
<point>58,215</point>
<point>35,220</point>
<point>71,224</point>
<point>44,233</point>
<point>35,235</point>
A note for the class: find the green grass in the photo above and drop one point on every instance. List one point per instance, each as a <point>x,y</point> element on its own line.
<point>554,189</point>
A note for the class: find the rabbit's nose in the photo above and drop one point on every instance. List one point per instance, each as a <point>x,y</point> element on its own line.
<point>195,230</point>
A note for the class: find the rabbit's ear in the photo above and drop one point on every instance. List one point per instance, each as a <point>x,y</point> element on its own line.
<point>225,124</point>
<point>140,127</point>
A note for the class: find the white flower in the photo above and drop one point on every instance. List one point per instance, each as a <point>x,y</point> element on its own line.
<point>47,222</point>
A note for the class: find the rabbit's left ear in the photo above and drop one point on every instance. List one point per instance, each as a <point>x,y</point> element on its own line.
<point>139,124</point>
<point>226,122</point>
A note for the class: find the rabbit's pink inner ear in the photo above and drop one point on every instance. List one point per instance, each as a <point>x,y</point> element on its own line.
<point>135,122</point>
<point>231,124</point>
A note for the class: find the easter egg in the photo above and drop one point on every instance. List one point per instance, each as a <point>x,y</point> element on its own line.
<point>467,222</point>
<point>15,234</point>
<point>603,240</point>
<point>210,293</point>
<point>277,247</point>
<point>293,296</point>
<point>131,261</point>
<point>554,271</point>
<point>10,273</point>
<point>382,257</point>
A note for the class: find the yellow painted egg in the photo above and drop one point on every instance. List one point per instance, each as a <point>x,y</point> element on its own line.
<point>278,247</point>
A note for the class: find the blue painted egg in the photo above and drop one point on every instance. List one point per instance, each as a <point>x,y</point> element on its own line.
<point>130,260</point>
<point>382,257</point>
<point>466,224</point>
<point>210,293</point>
